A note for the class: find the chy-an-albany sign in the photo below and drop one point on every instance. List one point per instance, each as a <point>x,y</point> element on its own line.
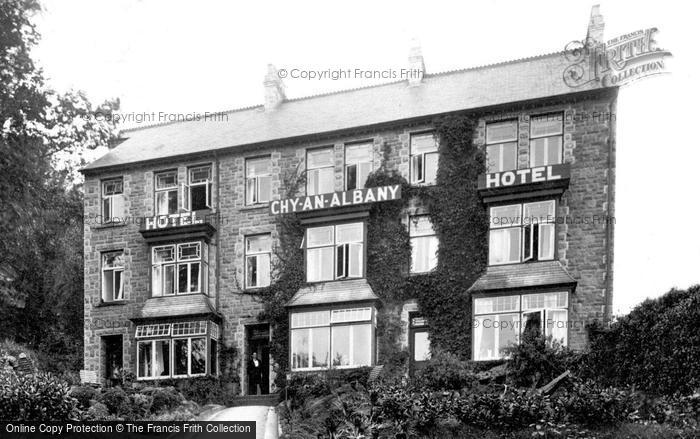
<point>335,199</point>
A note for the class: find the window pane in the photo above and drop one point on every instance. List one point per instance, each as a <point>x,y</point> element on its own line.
<point>420,225</point>
<point>200,174</point>
<point>431,166</point>
<point>351,177</point>
<point>502,132</point>
<point>545,300</point>
<point>166,180</point>
<point>319,264</point>
<point>421,346</point>
<point>108,285</point>
<point>547,124</point>
<point>355,154</point>
<point>546,238</point>
<point>118,209</point>
<point>169,279</point>
<point>493,334</point>
<point>363,171</point>
<point>182,278</point>
<point>250,192</point>
<point>355,255</point>
<point>163,254</point>
<point>113,259</point>
<point>504,245</point>
<point>199,356</point>
<point>145,358</point>
<point>496,304</point>
<point>198,197</point>
<point>258,244</point>
<point>157,280</point>
<point>312,318</point>
<point>505,216</point>
<point>317,236</point>
<point>484,338</point>
<point>537,152</point>
<point>264,189</point>
<point>501,157</point>
<point>318,158</point>
<point>540,212</point>
<point>361,345</point>
<point>300,348</point>
<point>180,356</point>
<point>417,168</point>
<point>556,325</point>
<point>341,345</point>
<point>493,158</point>
<point>214,358</point>
<point>423,143</point>
<point>112,187</point>
<point>554,150</point>
<point>346,233</point>
<point>162,361</point>
<point>258,167</point>
<point>188,251</point>
<point>423,254</point>
<point>351,315</point>
<point>118,285</point>
<point>320,348</point>
<point>508,332</point>
<point>194,277</point>
<point>252,273</point>
<point>263,270</point>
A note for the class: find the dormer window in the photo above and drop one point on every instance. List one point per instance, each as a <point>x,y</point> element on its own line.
<point>335,252</point>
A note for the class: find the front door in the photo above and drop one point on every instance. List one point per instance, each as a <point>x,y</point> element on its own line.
<point>113,358</point>
<point>258,361</point>
<point>419,343</point>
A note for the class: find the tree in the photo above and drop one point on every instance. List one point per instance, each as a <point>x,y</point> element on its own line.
<point>40,204</point>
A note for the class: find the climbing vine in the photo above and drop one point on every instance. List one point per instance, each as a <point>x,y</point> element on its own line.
<point>461,224</point>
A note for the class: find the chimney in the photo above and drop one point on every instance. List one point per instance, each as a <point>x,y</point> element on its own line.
<point>594,36</point>
<point>274,89</point>
<point>416,66</point>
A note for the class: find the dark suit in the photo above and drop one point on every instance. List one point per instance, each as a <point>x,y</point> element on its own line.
<point>255,376</point>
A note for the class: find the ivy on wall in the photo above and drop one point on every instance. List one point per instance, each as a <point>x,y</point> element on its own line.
<point>461,224</point>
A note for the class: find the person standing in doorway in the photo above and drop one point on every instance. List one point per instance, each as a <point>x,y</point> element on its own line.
<point>255,374</point>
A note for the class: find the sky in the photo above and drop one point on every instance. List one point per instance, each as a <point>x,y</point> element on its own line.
<point>208,56</point>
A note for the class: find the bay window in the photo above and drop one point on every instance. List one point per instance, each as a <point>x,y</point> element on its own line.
<point>257,260</point>
<point>336,338</point>
<point>546,139</point>
<point>196,193</point>
<point>502,146</point>
<point>424,244</point>
<point>500,322</point>
<point>522,232</point>
<point>176,350</point>
<point>179,269</point>
<point>334,252</point>
<point>166,193</point>
<point>113,276</point>
<point>358,165</point>
<point>112,199</point>
<point>424,158</point>
<point>319,171</point>
<point>258,180</point>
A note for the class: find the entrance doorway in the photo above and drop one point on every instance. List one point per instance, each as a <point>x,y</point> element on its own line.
<point>418,341</point>
<point>113,359</point>
<point>258,365</point>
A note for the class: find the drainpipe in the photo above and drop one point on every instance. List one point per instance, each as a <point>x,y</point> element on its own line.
<point>610,220</point>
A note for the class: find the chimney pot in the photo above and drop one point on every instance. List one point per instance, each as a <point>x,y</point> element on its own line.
<point>596,26</point>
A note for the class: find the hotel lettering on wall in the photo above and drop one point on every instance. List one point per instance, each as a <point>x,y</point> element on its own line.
<point>335,199</point>
<point>516,177</point>
<point>175,220</point>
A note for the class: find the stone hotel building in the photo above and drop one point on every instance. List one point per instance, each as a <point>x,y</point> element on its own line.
<point>165,294</point>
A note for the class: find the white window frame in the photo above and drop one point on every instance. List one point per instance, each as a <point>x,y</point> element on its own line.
<point>354,317</point>
<point>337,250</point>
<point>415,235</point>
<point>255,255</point>
<point>113,270</point>
<point>152,342</point>
<point>520,311</point>
<point>166,190</point>
<point>317,169</point>
<point>501,144</point>
<point>112,199</point>
<point>254,195</point>
<point>357,163</point>
<point>186,188</point>
<point>547,137</point>
<point>421,156</point>
<point>189,373</point>
<point>177,262</point>
<point>525,225</point>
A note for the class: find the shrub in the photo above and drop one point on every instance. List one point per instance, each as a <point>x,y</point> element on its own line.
<point>84,394</point>
<point>590,404</point>
<point>96,412</point>
<point>537,360</point>
<point>140,404</point>
<point>445,371</point>
<point>656,347</point>
<point>165,398</point>
<point>205,390</point>
<point>116,400</point>
<point>36,397</point>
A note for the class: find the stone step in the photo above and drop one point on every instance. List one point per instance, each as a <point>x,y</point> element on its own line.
<point>270,400</point>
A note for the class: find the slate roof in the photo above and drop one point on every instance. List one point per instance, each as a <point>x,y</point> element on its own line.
<point>176,306</point>
<point>513,81</point>
<point>534,274</point>
<point>327,293</point>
